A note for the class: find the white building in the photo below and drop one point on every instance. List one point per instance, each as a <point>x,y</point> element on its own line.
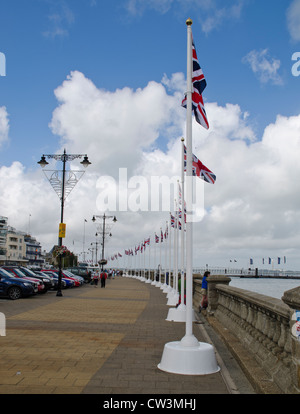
<point>3,233</point>
<point>15,247</point>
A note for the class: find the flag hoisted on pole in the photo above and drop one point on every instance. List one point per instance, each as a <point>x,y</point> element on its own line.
<point>189,339</point>
<point>189,356</point>
<point>199,84</point>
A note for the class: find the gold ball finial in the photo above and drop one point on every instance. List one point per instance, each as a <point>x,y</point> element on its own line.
<point>189,22</point>
<point>182,139</point>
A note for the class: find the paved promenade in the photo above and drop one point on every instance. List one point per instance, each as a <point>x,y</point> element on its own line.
<point>103,341</point>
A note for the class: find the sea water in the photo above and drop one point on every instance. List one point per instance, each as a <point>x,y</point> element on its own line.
<point>266,286</point>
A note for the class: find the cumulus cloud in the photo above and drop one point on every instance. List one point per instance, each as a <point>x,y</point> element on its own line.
<point>60,19</point>
<point>254,204</point>
<point>213,12</point>
<point>293,20</point>
<point>112,127</point>
<point>264,66</point>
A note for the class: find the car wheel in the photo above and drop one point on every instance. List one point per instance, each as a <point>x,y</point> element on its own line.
<point>14,293</point>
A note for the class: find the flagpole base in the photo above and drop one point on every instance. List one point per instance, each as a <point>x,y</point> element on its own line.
<point>178,314</point>
<point>199,359</point>
<point>167,289</point>
<point>173,299</point>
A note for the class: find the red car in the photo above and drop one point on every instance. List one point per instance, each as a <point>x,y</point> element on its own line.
<point>16,272</point>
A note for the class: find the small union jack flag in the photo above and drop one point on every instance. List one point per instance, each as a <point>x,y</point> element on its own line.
<point>199,84</point>
<point>200,170</point>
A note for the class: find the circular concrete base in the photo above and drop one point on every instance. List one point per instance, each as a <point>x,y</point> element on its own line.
<point>173,300</point>
<point>178,314</point>
<point>189,360</point>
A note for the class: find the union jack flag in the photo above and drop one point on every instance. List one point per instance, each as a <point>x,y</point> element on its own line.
<point>200,170</point>
<point>172,221</point>
<point>199,84</point>
<point>156,238</point>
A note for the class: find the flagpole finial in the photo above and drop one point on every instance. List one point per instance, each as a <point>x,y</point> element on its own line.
<point>189,22</point>
<point>182,139</point>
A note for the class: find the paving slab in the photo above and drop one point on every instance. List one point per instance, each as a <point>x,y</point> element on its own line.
<point>103,341</point>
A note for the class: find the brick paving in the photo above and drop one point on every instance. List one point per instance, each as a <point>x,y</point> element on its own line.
<point>101,341</point>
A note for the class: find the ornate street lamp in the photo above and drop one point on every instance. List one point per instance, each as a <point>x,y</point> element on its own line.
<point>63,185</point>
<point>106,227</point>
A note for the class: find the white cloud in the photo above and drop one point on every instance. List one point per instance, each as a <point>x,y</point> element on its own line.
<point>112,127</point>
<point>253,206</point>
<point>213,12</point>
<point>4,125</point>
<point>264,66</point>
<point>293,20</point>
<point>60,19</point>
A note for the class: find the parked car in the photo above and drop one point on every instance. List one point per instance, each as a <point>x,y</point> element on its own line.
<point>47,281</point>
<point>75,277</point>
<point>67,277</point>
<point>68,282</point>
<point>15,288</point>
<point>19,274</point>
<point>52,277</point>
<point>82,271</point>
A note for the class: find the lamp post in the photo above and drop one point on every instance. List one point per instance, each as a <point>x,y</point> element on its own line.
<point>96,248</point>
<point>105,231</point>
<point>63,187</point>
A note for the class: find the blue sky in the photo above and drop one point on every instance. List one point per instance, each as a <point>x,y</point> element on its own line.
<point>44,40</point>
<point>244,47</point>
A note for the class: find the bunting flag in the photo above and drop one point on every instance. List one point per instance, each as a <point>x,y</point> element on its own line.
<point>166,233</point>
<point>172,221</point>
<point>200,170</point>
<point>199,84</point>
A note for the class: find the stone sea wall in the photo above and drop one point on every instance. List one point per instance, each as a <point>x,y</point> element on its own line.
<point>265,326</point>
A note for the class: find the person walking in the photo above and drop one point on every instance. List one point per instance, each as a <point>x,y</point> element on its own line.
<point>103,278</point>
<point>95,279</point>
<point>204,301</point>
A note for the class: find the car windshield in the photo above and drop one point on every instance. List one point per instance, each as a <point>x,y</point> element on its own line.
<point>66,272</point>
<point>19,273</point>
<point>30,272</point>
<point>6,273</point>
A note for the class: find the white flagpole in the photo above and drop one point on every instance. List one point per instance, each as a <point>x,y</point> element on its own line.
<point>154,270</point>
<point>189,356</point>
<point>169,237</point>
<point>182,304</point>
<point>189,339</point>
<point>176,244</point>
